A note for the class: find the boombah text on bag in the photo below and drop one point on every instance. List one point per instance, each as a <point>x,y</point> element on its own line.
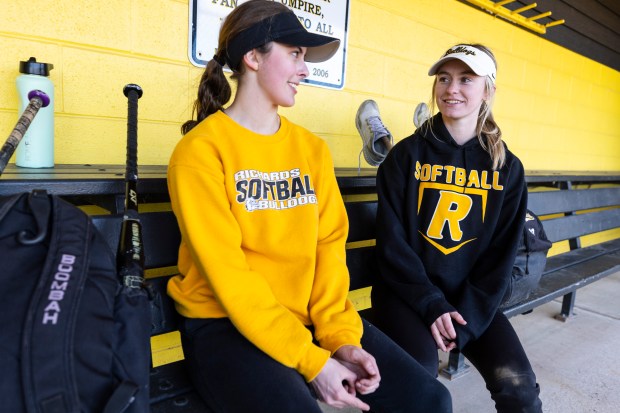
<point>530,261</point>
<point>74,339</point>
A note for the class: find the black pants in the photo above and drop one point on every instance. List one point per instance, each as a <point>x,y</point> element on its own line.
<point>234,376</point>
<point>497,354</point>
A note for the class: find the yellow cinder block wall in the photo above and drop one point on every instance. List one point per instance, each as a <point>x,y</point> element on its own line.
<point>558,110</point>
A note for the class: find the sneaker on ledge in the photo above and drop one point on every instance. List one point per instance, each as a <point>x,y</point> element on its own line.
<point>420,114</point>
<point>377,139</point>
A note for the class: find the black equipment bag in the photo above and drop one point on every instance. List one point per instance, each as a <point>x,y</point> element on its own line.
<point>529,262</point>
<point>74,339</point>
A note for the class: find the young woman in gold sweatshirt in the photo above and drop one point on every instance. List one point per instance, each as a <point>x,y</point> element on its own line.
<point>263,280</point>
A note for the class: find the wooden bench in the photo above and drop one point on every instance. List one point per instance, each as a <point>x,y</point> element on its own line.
<point>572,206</point>
<point>569,214</point>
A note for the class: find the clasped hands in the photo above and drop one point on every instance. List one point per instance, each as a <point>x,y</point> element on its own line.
<point>349,371</point>
<point>443,331</point>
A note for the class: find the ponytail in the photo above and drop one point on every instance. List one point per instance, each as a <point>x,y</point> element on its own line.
<point>213,93</point>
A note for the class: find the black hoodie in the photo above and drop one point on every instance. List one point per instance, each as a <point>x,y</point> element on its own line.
<point>448,226</point>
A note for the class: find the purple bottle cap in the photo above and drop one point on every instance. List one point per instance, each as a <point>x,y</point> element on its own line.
<point>41,95</point>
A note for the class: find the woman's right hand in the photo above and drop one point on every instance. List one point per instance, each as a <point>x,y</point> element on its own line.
<point>443,331</point>
<point>335,386</point>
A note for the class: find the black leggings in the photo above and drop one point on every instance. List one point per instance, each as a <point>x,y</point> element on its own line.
<point>497,354</point>
<point>234,376</point>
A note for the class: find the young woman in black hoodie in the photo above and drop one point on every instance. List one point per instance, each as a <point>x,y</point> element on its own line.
<point>452,201</point>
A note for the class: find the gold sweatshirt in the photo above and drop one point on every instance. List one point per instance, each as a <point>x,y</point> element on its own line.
<point>263,230</point>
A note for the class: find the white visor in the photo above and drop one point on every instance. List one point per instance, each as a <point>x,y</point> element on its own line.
<point>477,60</point>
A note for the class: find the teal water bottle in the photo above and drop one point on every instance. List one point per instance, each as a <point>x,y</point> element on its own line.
<point>36,150</point>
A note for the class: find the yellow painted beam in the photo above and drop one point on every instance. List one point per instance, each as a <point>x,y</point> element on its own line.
<point>540,16</point>
<point>515,16</point>
<point>524,8</point>
<point>555,23</point>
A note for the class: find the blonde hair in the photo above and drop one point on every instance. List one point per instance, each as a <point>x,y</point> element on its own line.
<point>487,130</point>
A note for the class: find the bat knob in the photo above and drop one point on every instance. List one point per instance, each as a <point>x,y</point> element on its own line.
<point>132,87</point>
<point>41,95</point>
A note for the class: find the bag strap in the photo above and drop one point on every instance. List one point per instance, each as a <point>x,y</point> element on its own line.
<point>47,344</point>
<point>121,398</point>
<point>8,204</point>
<point>41,212</point>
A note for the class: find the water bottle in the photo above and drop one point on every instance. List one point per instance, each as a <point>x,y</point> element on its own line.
<point>36,150</point>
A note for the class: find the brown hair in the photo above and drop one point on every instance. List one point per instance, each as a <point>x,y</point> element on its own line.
<point>486,127</point>
<point>214,90</point>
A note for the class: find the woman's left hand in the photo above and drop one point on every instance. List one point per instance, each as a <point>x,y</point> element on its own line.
<point>443,331</point>
<point>364,365</point>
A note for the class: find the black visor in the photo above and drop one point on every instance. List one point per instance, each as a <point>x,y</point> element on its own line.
<point>282,28</point>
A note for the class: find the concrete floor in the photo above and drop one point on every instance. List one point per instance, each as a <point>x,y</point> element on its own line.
<point>577,363</point>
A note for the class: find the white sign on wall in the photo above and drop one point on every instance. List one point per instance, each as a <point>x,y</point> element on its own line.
<point>327,17</point>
